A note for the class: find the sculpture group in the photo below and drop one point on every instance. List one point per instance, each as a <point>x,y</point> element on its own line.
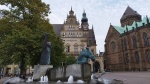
<point>84,55</point>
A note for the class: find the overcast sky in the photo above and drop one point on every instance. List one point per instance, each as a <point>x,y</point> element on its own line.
<point>100,13</point>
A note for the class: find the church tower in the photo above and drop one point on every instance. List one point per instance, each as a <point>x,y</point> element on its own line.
<point>129,17</point>
<point>84,22</point>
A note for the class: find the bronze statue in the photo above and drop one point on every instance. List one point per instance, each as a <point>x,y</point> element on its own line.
<point>45,55</point>
<point>84,55</point>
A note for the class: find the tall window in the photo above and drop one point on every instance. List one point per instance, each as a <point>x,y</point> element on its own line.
<point>134,41</point>
<point>81,47</point>
<point>75,48</point>
<point>126,58</point>
<point>145,38</point>
<point>113,46</point>
<point>125,44</point>
<point>137,58</point>
<point>67,48</point>
<point>147,55</point>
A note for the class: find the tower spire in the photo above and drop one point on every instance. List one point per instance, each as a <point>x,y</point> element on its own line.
<point>84,21</point>
<point>83,10</point>
<point>84,18</point>
<point>71,12</point>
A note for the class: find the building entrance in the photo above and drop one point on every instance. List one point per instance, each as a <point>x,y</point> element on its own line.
<point>96,67</point>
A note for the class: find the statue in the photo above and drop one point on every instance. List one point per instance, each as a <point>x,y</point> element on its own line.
<point>84,55</point>
<point>45,55</point>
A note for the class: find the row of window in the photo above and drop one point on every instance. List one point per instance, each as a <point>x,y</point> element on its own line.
<point>137,58</point>
<point>72,34</point>
<point>134,42</point>
<point>71,28</point>
<point>67,49</point>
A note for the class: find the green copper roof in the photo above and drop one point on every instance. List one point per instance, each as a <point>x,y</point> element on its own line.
<point>119,29</point>
<point>139,24</point>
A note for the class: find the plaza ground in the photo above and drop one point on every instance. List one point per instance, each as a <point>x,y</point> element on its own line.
<point>129,77</point>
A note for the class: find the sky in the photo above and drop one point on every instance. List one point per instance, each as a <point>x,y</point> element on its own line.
<point>100,13</point>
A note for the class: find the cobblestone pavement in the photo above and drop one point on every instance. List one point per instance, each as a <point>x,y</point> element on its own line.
<point>129,77</point>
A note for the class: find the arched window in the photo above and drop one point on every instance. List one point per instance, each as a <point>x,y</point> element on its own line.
<point>134,40</point>
<point>145,38</point>
<point>147,53</point>
<point>125,44</point>
<point>126,58</point>
<point>81,47</point>
<point>137,58</point>
<point>75,47</point>
<point>67,48</point>
<point>113,46</point>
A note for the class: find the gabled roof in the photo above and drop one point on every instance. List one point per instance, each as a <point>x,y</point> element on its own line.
<point>57,28</point>
<point>129,11</point>
<point>139,24</point>
<point>92,36</point>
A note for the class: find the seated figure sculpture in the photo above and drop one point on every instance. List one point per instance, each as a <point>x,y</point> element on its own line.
<point>84,55</point>
<point>45,55</point>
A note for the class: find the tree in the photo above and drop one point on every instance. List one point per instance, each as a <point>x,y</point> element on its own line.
<point>22,29</point>
<point>71,60</point>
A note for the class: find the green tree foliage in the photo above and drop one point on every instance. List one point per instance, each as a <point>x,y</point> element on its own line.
<point>71,60</point>
<point>22,29</point>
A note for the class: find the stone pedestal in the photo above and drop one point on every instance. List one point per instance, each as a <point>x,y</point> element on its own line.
<point>78,71</point>
<point>40,70</point>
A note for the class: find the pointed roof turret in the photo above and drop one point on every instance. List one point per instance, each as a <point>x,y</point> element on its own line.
<point>129,17</point>
<point>129,11</point>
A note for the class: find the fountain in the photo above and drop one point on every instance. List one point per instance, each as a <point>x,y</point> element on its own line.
<point>92,76</point>
<point>80,72</point>
<point>40,70</point>
<point>44,79</point>
<point>70,79</point>
<point>58,81</point>
<point>30,79</point>
<point>80,81</point>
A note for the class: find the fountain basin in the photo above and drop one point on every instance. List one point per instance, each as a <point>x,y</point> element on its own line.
<point>78,71</point>
<point>40,70</point>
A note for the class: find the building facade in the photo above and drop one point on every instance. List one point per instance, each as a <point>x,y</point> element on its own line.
<point>76,37</point>
<point>127,47</point>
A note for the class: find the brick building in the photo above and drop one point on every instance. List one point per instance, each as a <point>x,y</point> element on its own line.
<point>127,47</point>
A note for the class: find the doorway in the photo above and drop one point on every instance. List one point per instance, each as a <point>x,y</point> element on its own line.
<point>96,67</point>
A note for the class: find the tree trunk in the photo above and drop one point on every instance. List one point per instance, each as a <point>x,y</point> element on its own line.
<point>22,68</point>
